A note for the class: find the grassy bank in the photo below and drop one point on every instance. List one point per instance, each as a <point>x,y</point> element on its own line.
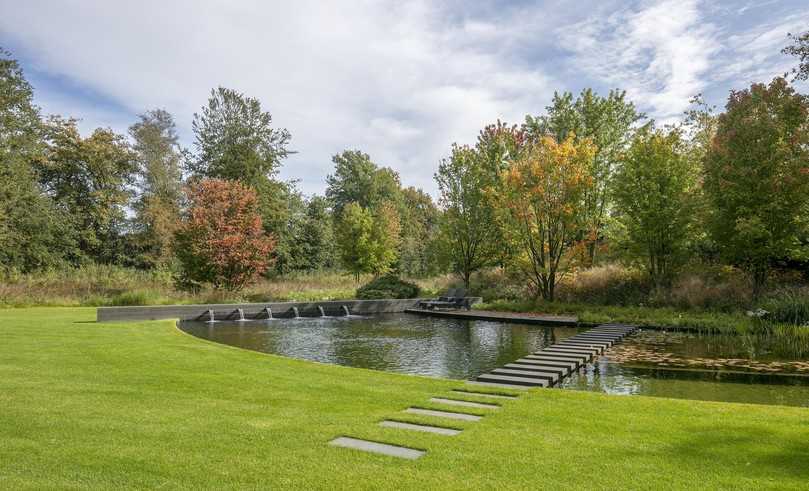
<point>142,405</point>
<point>98,285</point>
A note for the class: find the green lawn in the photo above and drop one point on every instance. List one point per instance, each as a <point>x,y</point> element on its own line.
<point>142,405</point>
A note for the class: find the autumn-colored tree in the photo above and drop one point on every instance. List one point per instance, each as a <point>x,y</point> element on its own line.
<point>655,198</point>
<point>541,198</point>
<point>221,241</point>
<point>367,239</point>
<point>757,176</point>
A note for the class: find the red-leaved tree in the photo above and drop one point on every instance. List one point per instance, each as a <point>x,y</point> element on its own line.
<point>221,240</point>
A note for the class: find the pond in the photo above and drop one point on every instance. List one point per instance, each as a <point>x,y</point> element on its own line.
<point>405,343</point>
<point>654,363</point>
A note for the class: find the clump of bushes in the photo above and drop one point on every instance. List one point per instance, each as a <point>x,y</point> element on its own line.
<point>788,307</point>
<point>387,286</point>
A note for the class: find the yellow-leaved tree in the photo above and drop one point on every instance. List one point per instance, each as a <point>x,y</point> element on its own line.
<point>540,202</point>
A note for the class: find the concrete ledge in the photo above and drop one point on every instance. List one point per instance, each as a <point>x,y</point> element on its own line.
<point>487,315</point>
<point>279,309</point>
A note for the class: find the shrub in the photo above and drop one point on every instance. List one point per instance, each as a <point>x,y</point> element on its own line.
<point>789,307</point>
<point>607,285</point>
<point>387,286</point>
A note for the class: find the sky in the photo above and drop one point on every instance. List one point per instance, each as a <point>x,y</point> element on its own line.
<point>398,80</point>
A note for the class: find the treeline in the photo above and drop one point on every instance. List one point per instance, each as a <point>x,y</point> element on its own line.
<point>589,180</point>
<point>133,200</point>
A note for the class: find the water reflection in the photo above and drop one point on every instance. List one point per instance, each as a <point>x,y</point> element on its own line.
<point>403,343</point>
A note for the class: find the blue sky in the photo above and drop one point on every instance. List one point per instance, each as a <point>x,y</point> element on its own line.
<point>399,80</point>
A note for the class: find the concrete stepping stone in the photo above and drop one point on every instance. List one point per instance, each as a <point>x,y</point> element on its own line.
<point>438,430</point>
<point>587,342</point>
<point>596,349</point>
<point>560,371</point>
<point>552,362</point>
<point>456,402</point>
<point>570,354</point>
<point>513,380</point>
<point>483,394</point>
<point>378,448</point>
<point>576,348</point>
<point>443,414</point>
<point>552,377</point>
<point>556,357</point>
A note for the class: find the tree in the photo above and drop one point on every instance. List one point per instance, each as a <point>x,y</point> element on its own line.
<point>33,232</point>
<point>368,239</point>
<point>235,140</point>
<point>469,232</point>
<point>357,179</point>
<point>157,208</point>
<point>221,240</point>
<point>757,176</point>
<point>88,179</point>
<point>419,225</point>
<point>800,49</point>
<point>317,236</point>
<point>606,122</point>
<point>541,199</point>
<point>655,197</point>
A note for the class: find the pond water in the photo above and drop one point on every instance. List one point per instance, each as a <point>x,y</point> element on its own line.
<point>653,363</point>
<point>405,343</point>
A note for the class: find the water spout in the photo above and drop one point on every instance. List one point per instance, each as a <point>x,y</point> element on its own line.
<point>320,309</point>
<point>345,310</point>
<point>295,311</point>
<point>241,315</point>
<point>211,315</point>
<point>266,311</point>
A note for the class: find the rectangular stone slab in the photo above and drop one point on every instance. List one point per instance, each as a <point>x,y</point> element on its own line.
<point>569,354</point>
<point>456,402</point>
<point>582,344</point>
<point>586,341</point>
<point>556,357</point>
<point>575,348</point>
<point>506,379</point>
<point>553,362</point>
<point>553,377</point>
<point>561,371</point>
<point>375,447</point>
<point>443,414</point>
<point>415,427</point>
<point>478,383</point>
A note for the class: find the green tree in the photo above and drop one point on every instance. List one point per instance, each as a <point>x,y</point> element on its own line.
<point>157,208</point>
<point>317,236</point>
<point>357,179</point>
<point>606,122</point>
<point>419,226</point>
<point>800,49</point>
<point>88,179</point>
<point>757,176</point>
<point>656,199</point>
<point>33,232</point>
<point>469,234</point>
<point>367,239</point>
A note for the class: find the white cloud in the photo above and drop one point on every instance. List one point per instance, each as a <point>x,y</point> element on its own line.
<point>401,81</point>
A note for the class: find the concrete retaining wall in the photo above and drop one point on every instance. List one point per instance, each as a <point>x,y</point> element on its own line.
<point>279,309</point>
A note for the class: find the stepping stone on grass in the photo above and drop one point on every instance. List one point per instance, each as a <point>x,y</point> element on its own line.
<point>438,430</point>
<point>456,402</point>
<point>378,448</point>
<point>443,414</point>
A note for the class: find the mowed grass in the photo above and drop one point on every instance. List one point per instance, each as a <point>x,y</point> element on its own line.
<point>143,405</point>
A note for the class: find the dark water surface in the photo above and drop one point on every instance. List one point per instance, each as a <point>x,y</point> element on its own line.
<point>405,343</point>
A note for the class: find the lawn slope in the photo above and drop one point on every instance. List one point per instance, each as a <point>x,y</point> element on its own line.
<point>143,405</point>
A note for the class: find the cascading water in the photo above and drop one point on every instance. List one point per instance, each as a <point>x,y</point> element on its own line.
<point>320,309</point>
<point>295,312</point>
<point>345,310</point>
<point>267,312</point>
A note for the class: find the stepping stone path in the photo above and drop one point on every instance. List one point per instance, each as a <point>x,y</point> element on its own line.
<point>551,365</point>
<point>545,368</point>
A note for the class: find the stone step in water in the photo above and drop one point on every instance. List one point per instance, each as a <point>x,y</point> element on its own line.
<point>585,341</point>
<point>584,357</point>
<point>555,357</point>
<point>378,448</point>
<point>443,414</point>
<point>573,352</point>
<point>576,348</point>
<point>554,362</point>
<point>438,430</point>
<point>483,394</point>
<point>598,349</point>
<point>552,377</point>
<point>511,380</point>
<point>456,402</point>
<point>561,371</point>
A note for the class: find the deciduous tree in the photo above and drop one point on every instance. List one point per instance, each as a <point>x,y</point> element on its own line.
<point>221,241</point>
<point>656,198</point>
<point>757,176</point>
<point>542,197</point>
